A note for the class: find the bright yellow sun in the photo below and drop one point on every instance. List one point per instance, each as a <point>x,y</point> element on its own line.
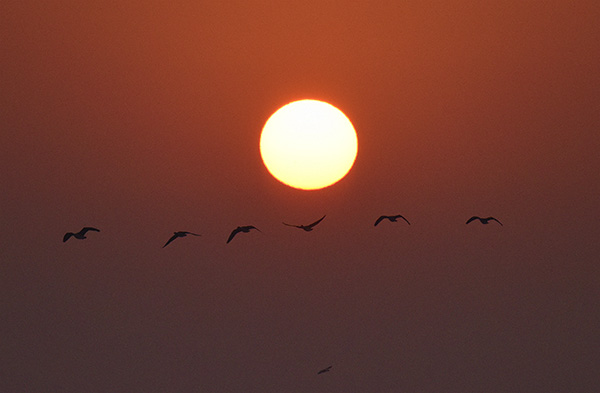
<point>308,144</point>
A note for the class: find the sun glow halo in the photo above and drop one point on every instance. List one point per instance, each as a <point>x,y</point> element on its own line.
<point>308,144</point>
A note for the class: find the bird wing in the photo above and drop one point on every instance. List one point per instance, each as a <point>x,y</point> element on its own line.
<point>170,240</point>
<point>324,370</point>
<point>85,229</point>
<point>316,222</point>
<point>471,219</point>
<point>67,236</point>
<point>379,220</point>
<point>492,218</point>
<point>402,217</point>
<point>233,233</point>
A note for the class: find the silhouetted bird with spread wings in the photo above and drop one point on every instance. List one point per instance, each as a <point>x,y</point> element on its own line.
<point>483,220</point>
<point>326,369</point>
<point>237,230</point>
<point>307,228</point>
<point>391,218</point>
<point>79,235</point>
<point>179,234</point>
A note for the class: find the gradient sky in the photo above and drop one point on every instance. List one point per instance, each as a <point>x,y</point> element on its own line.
<point>143,117</point>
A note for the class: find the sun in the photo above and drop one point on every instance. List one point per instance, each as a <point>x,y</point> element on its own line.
<point>308,144</point>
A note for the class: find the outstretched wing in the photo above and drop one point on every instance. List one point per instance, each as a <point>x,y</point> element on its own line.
<point>67,236</point>
<point>379,220</point>
<point>316,222</point>
<point>471,219</point>
<point>324,370</point>
<point>233,233</point>
<point>492,218</point>
<point>402,217</point>
<point>170,240</point>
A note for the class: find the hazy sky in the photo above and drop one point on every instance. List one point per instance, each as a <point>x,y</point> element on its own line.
<point>143,117</point>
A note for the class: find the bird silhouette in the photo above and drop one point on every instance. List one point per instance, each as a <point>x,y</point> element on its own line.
<point>391,218</point>
<point>179,234</point>
<point>237,230</point>
<point>308,227</point>
<point>326,369</point>
<point>483,220</point>
<point>80,234</point>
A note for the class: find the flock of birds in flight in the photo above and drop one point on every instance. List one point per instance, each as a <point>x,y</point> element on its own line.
<point>247,228</point>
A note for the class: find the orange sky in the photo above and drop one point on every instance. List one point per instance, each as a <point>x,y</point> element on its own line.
<point>144,118</point>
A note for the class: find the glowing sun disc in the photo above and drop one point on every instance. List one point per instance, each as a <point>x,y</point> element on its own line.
<point>308,144</point>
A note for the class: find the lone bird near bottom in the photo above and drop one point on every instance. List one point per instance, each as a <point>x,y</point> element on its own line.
<point>308,227</point>
<point>79,235</point>
<point>244,229</point>
<point>391,218</point>
<point>483,220</point>
<point>179,234</point>
<point>326,369</point>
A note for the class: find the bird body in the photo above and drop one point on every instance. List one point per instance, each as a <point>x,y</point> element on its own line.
<point>391,218</point>
<point>79,235</point>
<point>308,227</point>
<point>326,369</point>
<point>244,229</point>
<point>483,220</point>
<point>179,234</point>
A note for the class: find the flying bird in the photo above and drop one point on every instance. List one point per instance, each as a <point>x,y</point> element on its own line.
<point>80,234</point>
<point>324,370</point>
<point>179,234</point>
<point>483,220</point>
<point>391,218</point>
<point>307,228</point>
<point>245,229</point>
